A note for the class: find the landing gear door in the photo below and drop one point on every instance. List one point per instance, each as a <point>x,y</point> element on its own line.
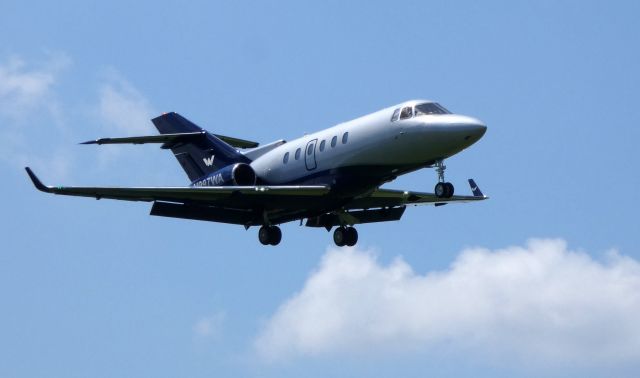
<point>310,155</point>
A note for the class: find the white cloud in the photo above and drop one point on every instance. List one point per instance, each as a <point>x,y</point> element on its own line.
<point>34,130</point>
<point>24,88</point>
<point>209,326</point>
<point>123,111</point>
<point>30,113</point>
<point>123,108</point>
<point>538,302</point>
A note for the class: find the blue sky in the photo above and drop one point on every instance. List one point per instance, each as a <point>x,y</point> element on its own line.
<point>541,280</point>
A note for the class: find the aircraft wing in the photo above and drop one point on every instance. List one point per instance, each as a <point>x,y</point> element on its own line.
<point>232,196</point>
<point>386,198</point>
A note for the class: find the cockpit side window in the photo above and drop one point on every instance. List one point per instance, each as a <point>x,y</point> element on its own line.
<point>395,115</point>
<point>407,112</point>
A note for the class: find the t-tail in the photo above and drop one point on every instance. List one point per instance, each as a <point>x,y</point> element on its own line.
<point>199,157</point>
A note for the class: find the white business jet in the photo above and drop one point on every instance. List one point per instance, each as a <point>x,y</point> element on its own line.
<point>331,178</point>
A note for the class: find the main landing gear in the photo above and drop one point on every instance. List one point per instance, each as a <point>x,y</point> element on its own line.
<point>345,236</point>
<point>270,235</point>
<point>443,189</point>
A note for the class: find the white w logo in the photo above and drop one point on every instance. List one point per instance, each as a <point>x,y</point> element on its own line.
<point>208,161</point>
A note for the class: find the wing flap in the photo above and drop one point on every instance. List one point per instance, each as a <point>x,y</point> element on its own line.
<point>356,217</point>
<point>203,213</point>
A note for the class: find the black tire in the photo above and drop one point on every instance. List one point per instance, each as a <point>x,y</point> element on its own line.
<point>352,236</point>
<point>340,236</point>
<point>440,190</point>
<point>275,235</point>
<point>264,235</point>
<point>449,189</point>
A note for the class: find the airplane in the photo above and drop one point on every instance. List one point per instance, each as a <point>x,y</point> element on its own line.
<point>331,178</point>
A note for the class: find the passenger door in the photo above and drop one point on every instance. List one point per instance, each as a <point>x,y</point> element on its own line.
<point>310,155</point>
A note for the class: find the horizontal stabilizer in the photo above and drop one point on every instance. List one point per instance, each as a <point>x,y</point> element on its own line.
<point>237,142</point>
<point>170,140</point>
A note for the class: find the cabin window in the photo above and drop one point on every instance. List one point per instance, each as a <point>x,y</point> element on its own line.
<point>322,146</point>
<point>407,112</point>
<point>334,141</point>
<point>310,149</point>
<point>345,136</point>
<point>285,159</point>
<point>298,154</point>
<point>396,114</point>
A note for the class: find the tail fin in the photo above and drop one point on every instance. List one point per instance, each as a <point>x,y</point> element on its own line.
<point>197,158</point>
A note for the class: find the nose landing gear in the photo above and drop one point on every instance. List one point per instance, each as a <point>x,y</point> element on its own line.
<point>442,189</point>
<point>270,235</point>
<point>345,236</point>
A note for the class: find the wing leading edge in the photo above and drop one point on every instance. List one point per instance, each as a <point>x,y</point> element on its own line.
<point>230,195</point>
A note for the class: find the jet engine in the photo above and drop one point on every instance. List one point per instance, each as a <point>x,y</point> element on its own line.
<point>240,174</point>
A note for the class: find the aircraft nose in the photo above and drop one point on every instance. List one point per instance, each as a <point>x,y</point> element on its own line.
<point>473,129</point>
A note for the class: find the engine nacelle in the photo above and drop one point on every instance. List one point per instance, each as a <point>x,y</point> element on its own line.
<point>239,174</point>
<point>243,175</point>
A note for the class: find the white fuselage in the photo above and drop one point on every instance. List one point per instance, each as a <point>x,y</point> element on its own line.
<point>373,140</point>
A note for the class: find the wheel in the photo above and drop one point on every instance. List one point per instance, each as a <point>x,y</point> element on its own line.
<point>275,235</point>
<point>339,236</point>
<point>449,189</point>
<point>352,236</point>
<point>264,235</point>
<point>440,190</point>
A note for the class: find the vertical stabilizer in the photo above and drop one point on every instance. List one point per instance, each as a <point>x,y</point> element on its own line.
<point>198,158</point>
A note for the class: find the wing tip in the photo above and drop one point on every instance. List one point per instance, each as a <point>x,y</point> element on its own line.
<point>475,189</point>
<point>36,181</point>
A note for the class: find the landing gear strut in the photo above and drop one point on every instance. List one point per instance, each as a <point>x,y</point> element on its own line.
<point>443,189</point>
<point>270,235</point>
<point>345,236</point>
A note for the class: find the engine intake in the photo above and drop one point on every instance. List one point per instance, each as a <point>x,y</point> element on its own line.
<point>243,175</point>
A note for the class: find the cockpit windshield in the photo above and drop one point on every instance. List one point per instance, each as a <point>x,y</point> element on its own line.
<point>430,108</point>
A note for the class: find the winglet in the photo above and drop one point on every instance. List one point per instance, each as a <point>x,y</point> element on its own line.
<point>36,181</point>
<point>475,189</point>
